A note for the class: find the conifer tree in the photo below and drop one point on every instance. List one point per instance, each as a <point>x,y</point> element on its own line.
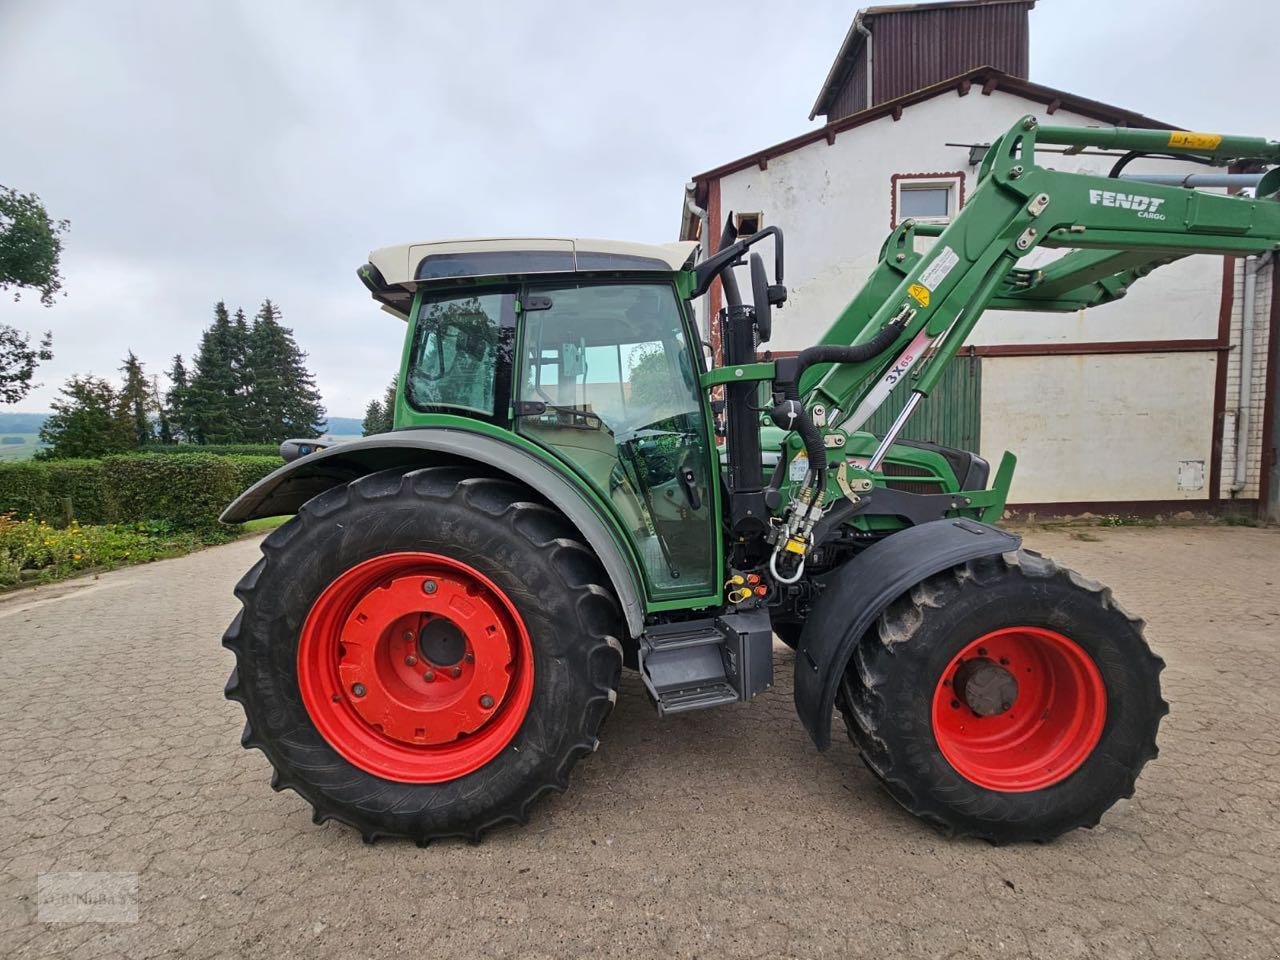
<point>136,400</point>
<point>281,396</point>
<point>174,412</point>
<point>214,403</point>
<point>374,419</point>
<point>389,404</point>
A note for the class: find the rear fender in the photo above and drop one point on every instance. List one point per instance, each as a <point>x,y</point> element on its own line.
<point>856,594</point>
<point>288,488</point>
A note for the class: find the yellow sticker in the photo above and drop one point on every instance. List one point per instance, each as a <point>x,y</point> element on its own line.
<point>1194,141</point>
<point>919,294</point>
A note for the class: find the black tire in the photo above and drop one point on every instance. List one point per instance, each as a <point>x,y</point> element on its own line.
<point>887,692</point>
<point>503,530</point>
<point>789,633</point>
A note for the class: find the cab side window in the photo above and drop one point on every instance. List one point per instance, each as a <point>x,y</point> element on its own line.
<point>455,352</point>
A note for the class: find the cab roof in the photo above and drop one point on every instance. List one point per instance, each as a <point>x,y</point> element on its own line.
<point>393,273</point>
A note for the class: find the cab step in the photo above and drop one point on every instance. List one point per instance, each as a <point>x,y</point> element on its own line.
<point>696,664</point>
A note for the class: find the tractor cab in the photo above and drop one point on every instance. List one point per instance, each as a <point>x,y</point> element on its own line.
<point>586,352</point>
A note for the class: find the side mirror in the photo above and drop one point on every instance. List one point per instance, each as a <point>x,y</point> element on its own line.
<point>760,297</point>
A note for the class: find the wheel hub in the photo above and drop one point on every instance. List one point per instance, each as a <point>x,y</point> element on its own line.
<point>1019,709</point>
<point>415,667</point>
<point>987,688</point>
<point>441,642</point>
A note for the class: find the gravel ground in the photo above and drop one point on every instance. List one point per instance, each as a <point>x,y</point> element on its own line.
<point>716,834</point>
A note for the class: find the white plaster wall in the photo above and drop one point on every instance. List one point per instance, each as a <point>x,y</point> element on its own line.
<point>1103,427</point>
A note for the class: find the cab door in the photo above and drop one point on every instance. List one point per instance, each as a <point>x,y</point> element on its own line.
<point>608,384</point>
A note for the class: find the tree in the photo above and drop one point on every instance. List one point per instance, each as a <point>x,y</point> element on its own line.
<point>214,408</point>
<point>281,396</point>
<point>30,246</point>
<point>18,362</point>
<point>650,376</point>
<point>374,419</point>
<point>137,400</point>
<point>87,421</point>
<point>389,404</point>
<point>174,414</point>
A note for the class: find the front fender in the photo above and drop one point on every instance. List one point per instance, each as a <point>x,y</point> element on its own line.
<point>858,592</point>
<point>288,488</point>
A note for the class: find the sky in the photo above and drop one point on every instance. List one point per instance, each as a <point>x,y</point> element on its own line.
<point>210,151</point>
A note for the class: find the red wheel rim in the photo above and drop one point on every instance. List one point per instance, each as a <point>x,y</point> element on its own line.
<point>1028,734</point>
<point>415,667</point>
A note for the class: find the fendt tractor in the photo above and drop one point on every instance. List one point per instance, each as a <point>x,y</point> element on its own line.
<point>574,485</point>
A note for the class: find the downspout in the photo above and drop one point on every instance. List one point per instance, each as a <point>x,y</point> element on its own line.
<point>704,326</point>
<point>1248,309</point>
<point>866,34</point>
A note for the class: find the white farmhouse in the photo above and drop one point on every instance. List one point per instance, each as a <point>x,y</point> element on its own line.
<point>1136,407</point>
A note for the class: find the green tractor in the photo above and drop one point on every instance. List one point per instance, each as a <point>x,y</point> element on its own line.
<point>438,635</point>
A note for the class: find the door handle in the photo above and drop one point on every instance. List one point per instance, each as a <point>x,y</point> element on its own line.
<point>690,483</point>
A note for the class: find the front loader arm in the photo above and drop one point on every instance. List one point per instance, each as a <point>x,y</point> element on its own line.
<point>1118,231</point>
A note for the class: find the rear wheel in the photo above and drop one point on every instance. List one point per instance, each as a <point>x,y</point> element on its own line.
<point>424,654</point>
<point>1009,699</point>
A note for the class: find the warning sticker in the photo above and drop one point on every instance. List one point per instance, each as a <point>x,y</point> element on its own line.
<point>938,270</point>
<point>919,294</point>
<point>1195,141</point>
<point>799,467</point>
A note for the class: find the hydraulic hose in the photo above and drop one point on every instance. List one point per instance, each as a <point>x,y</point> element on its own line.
<point>829,353</point>
<point>790,414</point>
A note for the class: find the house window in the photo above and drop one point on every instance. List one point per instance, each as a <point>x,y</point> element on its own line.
<point>929,198</point>
<point>748,223</point>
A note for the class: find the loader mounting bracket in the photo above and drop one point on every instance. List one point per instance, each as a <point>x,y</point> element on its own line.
<point>854,596</point>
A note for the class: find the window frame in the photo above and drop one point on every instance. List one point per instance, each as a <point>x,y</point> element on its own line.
<point>739,216</point>
<point>952,180</point>
<point>502,383</point>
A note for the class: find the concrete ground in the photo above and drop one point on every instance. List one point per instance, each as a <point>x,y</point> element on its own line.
<point>716,834</point>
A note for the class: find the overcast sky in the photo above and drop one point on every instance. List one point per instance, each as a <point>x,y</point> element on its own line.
<point>237,151</point>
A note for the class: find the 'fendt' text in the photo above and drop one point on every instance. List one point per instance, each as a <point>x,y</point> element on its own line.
<point>1144,207</point>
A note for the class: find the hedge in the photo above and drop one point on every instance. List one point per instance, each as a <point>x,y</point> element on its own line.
<point>228,449</point>
<point>186,491</point>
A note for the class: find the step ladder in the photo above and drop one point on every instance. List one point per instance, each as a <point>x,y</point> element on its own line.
<point>695,664</point>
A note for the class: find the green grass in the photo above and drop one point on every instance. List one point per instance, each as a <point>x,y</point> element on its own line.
<point>19,451</point>
<point>264,524</point>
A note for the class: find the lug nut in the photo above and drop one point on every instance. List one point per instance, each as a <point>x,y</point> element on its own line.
<point>408,635</point>
<point>429,676</point>
<point>429,586</point>
<point>358,690</point>
<point>486,701</point>
<point>410,661</point>
<point>455,672</point>
<point>470,658</point>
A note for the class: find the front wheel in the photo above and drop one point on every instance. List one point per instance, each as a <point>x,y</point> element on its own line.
<point>1008,699</point>
<point>425,653</point>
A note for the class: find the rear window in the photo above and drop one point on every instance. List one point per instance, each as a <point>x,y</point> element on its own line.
<point>455,350</point>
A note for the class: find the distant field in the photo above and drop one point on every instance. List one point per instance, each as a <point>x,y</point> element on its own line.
<point>18,451</point>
